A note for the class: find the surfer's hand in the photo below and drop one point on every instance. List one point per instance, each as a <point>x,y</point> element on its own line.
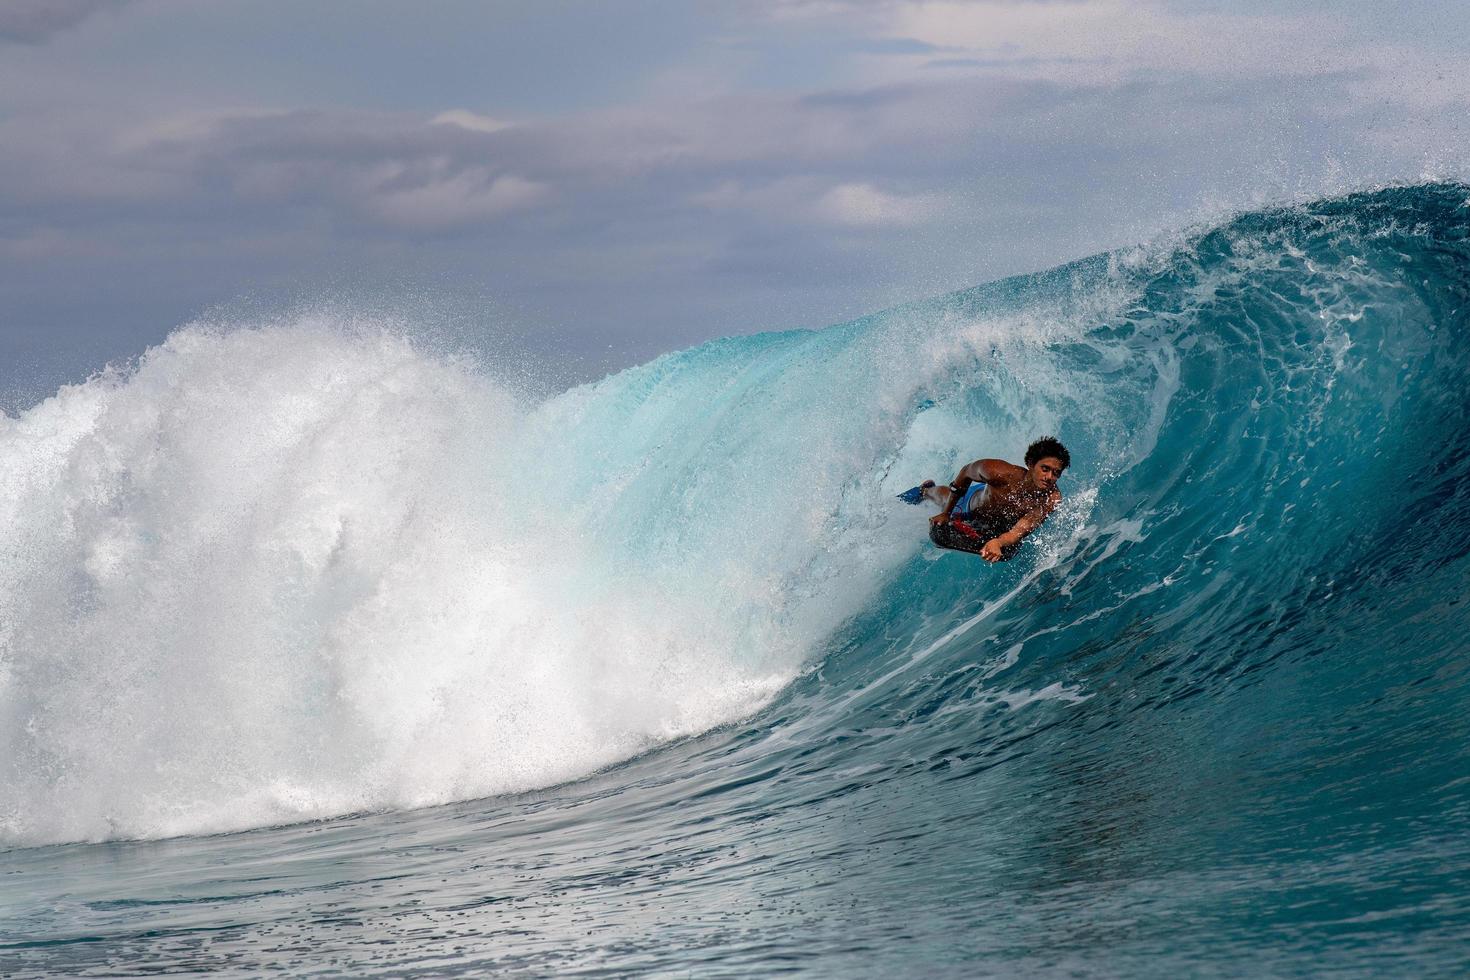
<point>939,519</point>
<point>991,551</point>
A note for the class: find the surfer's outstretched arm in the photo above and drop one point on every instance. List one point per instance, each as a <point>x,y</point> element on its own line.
<point>996,547</point>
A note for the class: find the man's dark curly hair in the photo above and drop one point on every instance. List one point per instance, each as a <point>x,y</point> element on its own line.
<point>1044,447</point>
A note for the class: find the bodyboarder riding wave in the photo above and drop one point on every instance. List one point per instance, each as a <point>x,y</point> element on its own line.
<point>992,505</point>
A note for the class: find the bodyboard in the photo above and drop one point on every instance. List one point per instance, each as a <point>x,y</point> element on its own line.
<point>959,536</point>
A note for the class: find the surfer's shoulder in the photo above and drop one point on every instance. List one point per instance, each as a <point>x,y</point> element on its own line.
<point>1000,471</point>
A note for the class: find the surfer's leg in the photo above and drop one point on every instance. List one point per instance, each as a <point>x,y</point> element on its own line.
<point>918,494</point>
<point>939,493</point>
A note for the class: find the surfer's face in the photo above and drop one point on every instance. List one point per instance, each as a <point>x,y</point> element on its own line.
<point>1046,472</point>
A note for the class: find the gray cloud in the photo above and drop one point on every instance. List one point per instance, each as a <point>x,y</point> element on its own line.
<point>35,21</point>
<point>834,177</point>
<point>614,232</point>
<point>829,161</point>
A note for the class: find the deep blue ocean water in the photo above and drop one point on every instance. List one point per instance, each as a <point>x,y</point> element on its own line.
<point>324,653</point>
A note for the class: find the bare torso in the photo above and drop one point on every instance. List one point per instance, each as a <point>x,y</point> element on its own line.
<point>1008,496</point>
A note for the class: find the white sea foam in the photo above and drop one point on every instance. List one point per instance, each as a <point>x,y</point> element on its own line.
<point>281,573</point>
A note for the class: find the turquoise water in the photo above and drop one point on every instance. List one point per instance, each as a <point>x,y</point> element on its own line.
<point>303,668</point>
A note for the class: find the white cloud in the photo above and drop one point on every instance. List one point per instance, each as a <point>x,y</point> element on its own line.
<point>865,205</point>
<point>1112,41</point>
<point>802,200</point>
<point>190,127</point>
<point>464,198</point>
<point>474,122</point>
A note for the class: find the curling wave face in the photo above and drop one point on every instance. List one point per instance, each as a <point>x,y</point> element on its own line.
<point>307,568</point>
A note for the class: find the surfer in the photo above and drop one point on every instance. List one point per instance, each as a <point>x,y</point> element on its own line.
<point>992,504</point>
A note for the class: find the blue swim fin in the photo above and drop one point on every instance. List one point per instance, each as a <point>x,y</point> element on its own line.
<point>915,495</point>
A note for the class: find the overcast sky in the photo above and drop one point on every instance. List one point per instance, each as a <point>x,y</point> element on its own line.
<point>596,182</point>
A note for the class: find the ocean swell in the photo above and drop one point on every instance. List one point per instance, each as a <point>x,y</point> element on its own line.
<point>289,570</point>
